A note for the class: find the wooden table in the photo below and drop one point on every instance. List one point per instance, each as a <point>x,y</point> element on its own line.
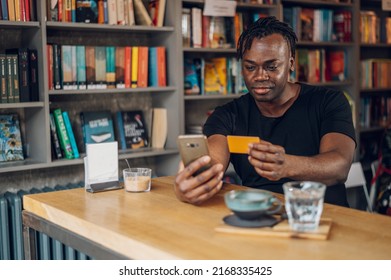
<point>155,225</point>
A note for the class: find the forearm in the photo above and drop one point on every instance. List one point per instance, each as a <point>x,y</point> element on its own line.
<point>329,168</point>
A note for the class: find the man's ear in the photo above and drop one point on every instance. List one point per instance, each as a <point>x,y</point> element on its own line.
<point>291,64</point>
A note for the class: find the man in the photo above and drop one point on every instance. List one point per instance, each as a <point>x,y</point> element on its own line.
<point>306,131</point>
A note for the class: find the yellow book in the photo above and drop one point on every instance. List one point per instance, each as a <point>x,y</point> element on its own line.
<point>215,76</point>
<point>134,66</point>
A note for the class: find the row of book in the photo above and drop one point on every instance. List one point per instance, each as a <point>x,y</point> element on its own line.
<point>114,12</point>
<point>99,67</point>
<point>319,25</point>
<point>219,75</point>
<point>11,146</point>
<point>18,10</point>
<point>320,65</point>
<point>19,76</point>
<point>375,111</point>
<point>376,73</point>
<point>199,30</point>
<point>129,128</point>
<point>374,29</point>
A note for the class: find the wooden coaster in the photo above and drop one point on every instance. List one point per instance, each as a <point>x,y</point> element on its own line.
<point>282,229</point>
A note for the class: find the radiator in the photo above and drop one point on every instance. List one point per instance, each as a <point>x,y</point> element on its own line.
<point>11,230</point>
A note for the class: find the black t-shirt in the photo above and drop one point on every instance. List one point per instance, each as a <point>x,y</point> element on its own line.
<point>316,112</point>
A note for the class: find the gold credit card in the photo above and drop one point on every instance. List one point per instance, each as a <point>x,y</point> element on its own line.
<point>239,144</point>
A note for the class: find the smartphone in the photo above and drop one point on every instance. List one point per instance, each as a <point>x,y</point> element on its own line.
<point>192,147</point>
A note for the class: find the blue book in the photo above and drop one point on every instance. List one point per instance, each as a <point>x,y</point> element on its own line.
<point>153,72</point>
<point>4,9</point>
<point>11,147</point>
<point>97,127</point>
<point>121,131</point>
<point>71,136</point>
<point>81,67</point>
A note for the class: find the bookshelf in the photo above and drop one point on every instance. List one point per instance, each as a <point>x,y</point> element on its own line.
<point>184,111</point>
<point>197,107</point>
<point>374,113</point>
<point>34,116</point>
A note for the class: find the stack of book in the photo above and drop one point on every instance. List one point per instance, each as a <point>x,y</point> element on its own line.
<point>20,10</point>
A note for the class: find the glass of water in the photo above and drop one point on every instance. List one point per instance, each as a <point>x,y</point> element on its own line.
<point>304,204</point>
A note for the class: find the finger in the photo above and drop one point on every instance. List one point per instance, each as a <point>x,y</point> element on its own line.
<point>194,166</point>
<point>205,190</point>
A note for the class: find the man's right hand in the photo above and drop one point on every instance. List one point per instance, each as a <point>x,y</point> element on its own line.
<point>196,189</point>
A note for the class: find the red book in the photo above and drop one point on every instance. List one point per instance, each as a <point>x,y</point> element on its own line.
<point>128,67</point>
<point>161,66</point>
<point>142,80</point>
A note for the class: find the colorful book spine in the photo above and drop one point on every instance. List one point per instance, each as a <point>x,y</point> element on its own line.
<point>142,80</point>
<point>128,67</point>
<point>110,66</point>
<point>90,67</point>
<point>57,67</point>
<point>74,67</point>
<point>81,67</point>
<point>70,133</point>
<point>62,134</point>
<point>23,74</point>
<point>66,64</point>
<point>153,72</point>
<point>161,66</point>
<point>120,129</point>
<point>134,66</point>
<point>10,90</point>
<point>4,9</point>
<point>15,78</point>
<point>100,67</point>
<point>3,78</point>
<point>120,67</point>
<point>54,137</point>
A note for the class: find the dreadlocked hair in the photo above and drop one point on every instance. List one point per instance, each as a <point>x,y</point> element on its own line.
<point>264,27</point>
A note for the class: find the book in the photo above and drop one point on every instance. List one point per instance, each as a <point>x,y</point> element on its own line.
<point>159,127</point>
<point>135,129</point>
<point>157,76</point>
<point>186,27</point>
<point>57,67</point>
<point>156,10</point>
<point>110,66</point>
<point>34,81</point>
<point>215,76</point>
<point>87,11</point>
<point>65,143</point>
<point>100,67</point>
<point>81,67</point>
<point>141,13</point>
<point>50,65</point>
<point>129,12</point>
<point>120,67</point>
<point>11,146</point>
<point>15,79</point>
<point>142,72</point>
<point>121,12</point>
<point>134,67</point>
<point>66,64</point>
<point>54,138</point>
<point>120,130</point>
<point>191,81</point>
<point>112,11</point>
<point>128,67</point>
<point>3,79</point>
<point>70,133</point>
<point>97,127</point>
<point>10,78</point>
<point>196,27</point>
<point>90,67</point>
<point>23,69</point>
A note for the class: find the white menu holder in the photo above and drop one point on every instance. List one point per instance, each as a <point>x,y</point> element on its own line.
<point>101,167</point>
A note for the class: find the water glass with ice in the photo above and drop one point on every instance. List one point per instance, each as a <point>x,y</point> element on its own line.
<point>304,204</point>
